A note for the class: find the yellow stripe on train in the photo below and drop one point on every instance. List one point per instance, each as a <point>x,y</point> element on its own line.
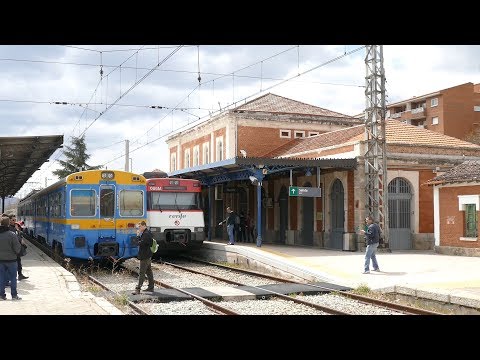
<point>90,224</point>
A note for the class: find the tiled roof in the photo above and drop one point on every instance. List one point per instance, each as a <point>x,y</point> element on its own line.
<point>465,172</point>
<point>397,133</point>
<point>319,141</point>
<point>278,104</point>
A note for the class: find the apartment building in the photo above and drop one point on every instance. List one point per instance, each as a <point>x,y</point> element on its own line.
<point>453,111</point>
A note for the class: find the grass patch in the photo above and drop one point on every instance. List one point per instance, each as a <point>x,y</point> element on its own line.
<point>362,289</point>
<point>120,300</point>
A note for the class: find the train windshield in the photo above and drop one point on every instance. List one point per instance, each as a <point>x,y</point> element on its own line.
<point>82,203</point>
<point>173,201</point>
<point>107,201</point>
<point>131,203</point>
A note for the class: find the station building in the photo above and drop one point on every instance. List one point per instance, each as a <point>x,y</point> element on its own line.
<point>282,143</point>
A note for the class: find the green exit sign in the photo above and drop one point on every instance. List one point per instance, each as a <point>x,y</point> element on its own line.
<point>304,191</point>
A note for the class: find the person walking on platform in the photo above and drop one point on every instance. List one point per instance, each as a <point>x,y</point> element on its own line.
<point>16,231</point>
<point>230,221</point>
<point>9,250</point>
<point>145,241</point>
<point>372,236</point>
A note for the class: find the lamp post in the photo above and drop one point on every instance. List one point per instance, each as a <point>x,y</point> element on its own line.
<point>131,166</point>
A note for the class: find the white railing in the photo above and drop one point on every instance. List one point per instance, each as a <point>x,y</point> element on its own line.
<point>420,110</point>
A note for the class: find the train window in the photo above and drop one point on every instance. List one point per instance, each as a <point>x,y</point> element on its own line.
<point>131,203</point>
<point>82,203</point>
<point>107,201</point>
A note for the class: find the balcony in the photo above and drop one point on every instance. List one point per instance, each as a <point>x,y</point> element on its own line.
<point>396,115</point>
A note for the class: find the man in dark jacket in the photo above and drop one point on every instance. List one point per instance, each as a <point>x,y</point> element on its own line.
<point>372,236</point>
<point>9,250</point>
<point>145,241</point>
<point>16,231</point>
<point>230,220</point>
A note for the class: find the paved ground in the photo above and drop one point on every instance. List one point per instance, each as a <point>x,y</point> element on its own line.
<point>50,289</point>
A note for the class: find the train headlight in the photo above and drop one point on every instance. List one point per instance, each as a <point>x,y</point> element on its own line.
<point>198,229</point>
<point>75,226</point>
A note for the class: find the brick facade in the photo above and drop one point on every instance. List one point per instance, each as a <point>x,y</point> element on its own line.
<point>452,220</point>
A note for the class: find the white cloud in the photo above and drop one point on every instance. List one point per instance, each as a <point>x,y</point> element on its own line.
<point>338,86</point>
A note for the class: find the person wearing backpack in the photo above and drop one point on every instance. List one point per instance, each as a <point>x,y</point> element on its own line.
<point>145,242</point>
<point>372,237</point>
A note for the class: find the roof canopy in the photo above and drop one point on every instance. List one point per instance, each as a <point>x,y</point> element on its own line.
<point>240,168</point>
<point>20,157</point>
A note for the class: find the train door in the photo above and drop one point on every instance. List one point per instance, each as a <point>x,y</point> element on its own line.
<point>106,222</point>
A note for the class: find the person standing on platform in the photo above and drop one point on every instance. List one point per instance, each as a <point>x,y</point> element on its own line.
<point>14,229</point>
<point>372,237</point>
<point>9,250</point>
<point>145,241</point>
<point>230,221</point>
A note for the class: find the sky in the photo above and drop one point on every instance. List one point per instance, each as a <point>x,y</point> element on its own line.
<point>148,92</point>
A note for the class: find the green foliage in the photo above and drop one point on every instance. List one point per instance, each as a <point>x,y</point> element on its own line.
<point>76,158</point>
<point>362,289</point>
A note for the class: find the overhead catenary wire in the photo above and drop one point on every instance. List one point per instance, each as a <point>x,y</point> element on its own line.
<point>244,99</point>
<point>62,151</point>
<point>221,75</point>
<point>233,74</point>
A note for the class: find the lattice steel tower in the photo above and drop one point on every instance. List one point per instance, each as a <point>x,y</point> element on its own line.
<point>376,153</point>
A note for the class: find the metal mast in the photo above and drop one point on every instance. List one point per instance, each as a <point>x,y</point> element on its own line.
<point>376,153</point>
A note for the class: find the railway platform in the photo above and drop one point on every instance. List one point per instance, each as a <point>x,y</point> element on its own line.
<point>426,274</point>
<point>51,290</point>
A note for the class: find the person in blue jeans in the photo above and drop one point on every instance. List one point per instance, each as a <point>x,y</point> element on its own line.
<point>9,249</point>
<point>230,220</point>
<point>372,236</point>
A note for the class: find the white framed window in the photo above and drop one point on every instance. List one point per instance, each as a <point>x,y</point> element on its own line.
<point>287,134</point>
<point>196,155</point>
<point>299,134</point>
<point>219,149</point>
<point>187,159</point>
<point>435,120</point>
<point>173,162</point>
<point>313,133</point>
<point>206,153</point>
<point>433,102</point>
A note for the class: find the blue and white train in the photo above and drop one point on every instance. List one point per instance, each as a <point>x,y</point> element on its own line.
<point>88,215</point>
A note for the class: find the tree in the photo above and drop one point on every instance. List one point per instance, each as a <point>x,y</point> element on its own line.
<point>76,158</point>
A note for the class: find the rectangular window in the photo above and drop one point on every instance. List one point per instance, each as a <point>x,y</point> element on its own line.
<point>82,203</point>
<point>173,162</point>
<point>187,159</point>
<point>107,201</point>
<point>471,221</point>
<point>219,149</point>
<point>312,133</point>
<point>131,202</point>
<point>299,134</point>
<point>286,134</point>
<point>434,102</point>
<point>206,153</point>
<point>196,155</point>
<point>435,120</point>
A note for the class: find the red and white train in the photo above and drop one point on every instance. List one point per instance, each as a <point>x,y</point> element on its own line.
<point>174,215</point>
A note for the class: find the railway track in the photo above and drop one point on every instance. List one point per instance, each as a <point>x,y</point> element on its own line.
<point>407,310</point>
